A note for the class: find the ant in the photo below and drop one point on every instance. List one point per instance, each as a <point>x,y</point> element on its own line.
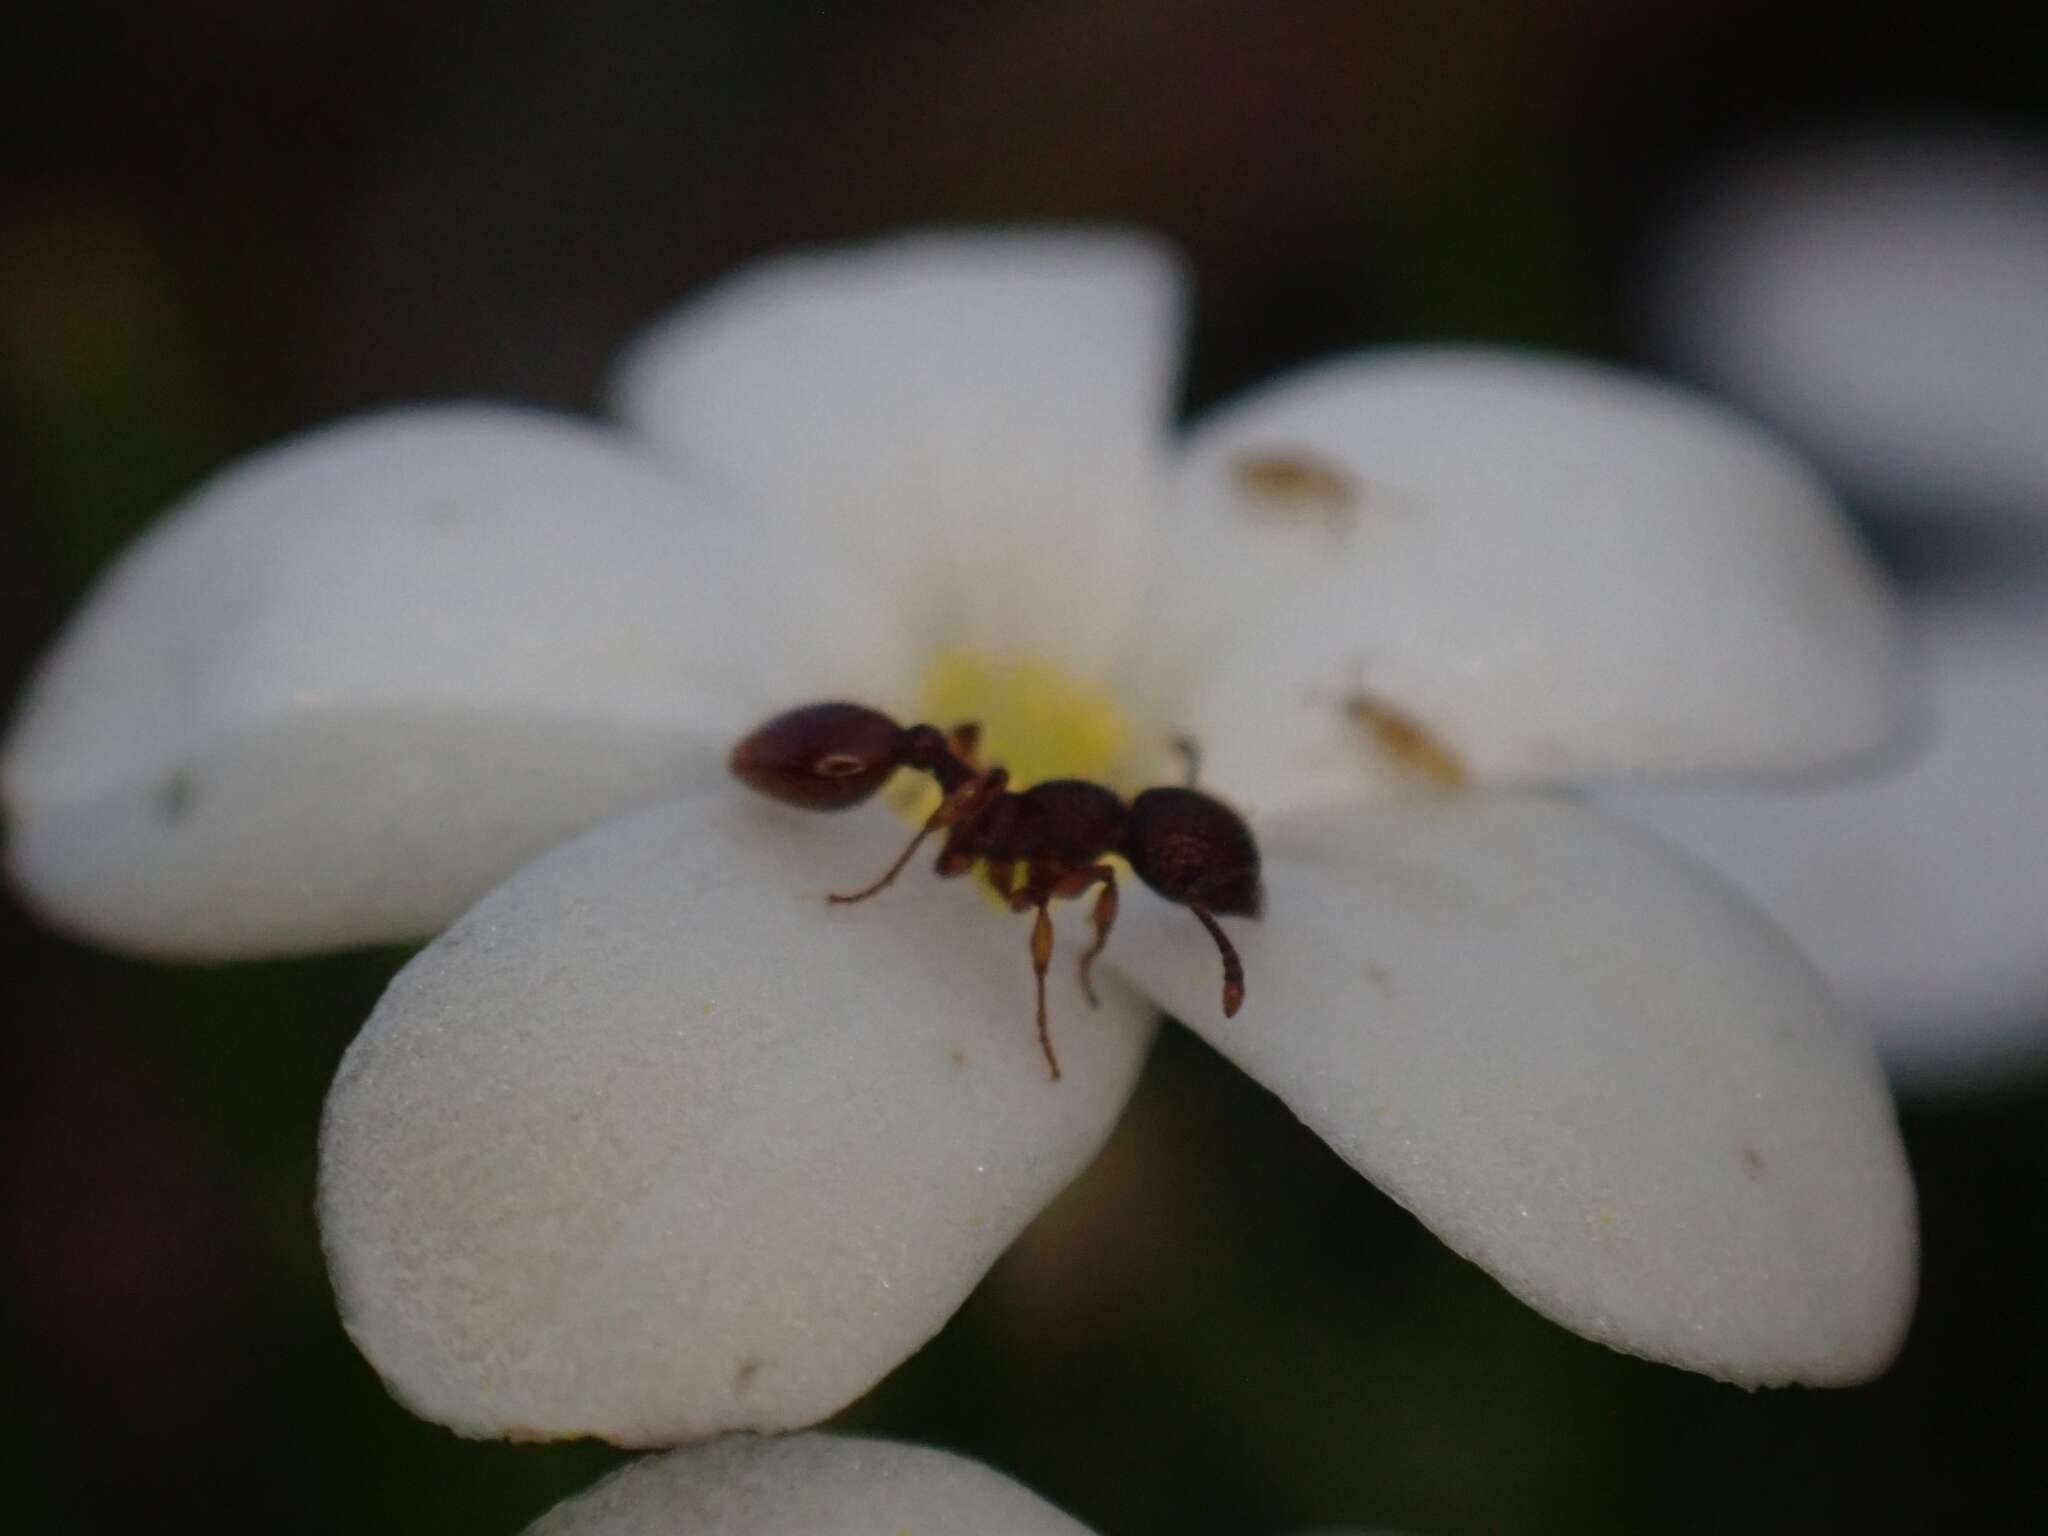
<point>1191,849</point>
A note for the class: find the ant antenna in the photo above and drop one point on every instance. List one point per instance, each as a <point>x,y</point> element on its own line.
<point>1233,968</point>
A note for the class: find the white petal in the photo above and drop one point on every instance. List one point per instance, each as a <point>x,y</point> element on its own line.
<point>1884,300</point>
<point>356,679</point>
<point>807,1485</point>
<point>975,422</point>
<point>655,1143</point>
<point>1923,897</point>
<point>1553,569</point>
<point>1584,1066</point>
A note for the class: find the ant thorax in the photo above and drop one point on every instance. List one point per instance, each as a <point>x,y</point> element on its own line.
<point>1053,840</point>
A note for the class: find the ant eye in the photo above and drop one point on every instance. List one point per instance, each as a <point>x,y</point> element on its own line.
<point>823,757</point>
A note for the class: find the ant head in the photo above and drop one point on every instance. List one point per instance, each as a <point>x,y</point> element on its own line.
<point>823,757</point>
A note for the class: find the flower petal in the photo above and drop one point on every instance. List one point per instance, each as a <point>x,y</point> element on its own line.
<point>1541,569</point>
<point>819,1485</point>
<point>1923,897</point>
<point>975,422</point>
<point>356,679</point>
<point>1584,1066</point>
<point>655,1143</point>
<point>1879,298</point>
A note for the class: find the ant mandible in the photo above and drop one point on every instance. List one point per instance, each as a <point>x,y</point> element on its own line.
<point>1192,850</point>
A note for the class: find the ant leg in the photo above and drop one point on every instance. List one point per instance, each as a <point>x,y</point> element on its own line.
<point>1037,893</point>
<point>956,858</point>
<point>964,742</point>
<point>1104,916</point>
<point>962,805</point>
<point>889,876</point>
<point>1191,754</point>
<point>1233,968</point>
<point>1041,961</point>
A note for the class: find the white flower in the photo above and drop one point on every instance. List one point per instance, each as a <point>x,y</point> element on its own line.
<point>821,1485</point>
<point>1921,897</point>
<point>1880,297</point>
<point>1885,298</point>
<point>654,1143</point>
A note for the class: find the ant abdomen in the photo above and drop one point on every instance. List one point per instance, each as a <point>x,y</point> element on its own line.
<point>1193,850</point>
<point>823,757</point>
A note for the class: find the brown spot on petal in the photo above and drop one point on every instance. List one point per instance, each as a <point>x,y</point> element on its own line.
<point>1752,1162</point>
<point>1415,750</point>
<point>743,1376</point>
<point>173,796</point>
<point>1290,483</point>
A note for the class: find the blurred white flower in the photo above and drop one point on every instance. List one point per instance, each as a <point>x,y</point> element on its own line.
<point>1885,300</point>
<point>820,1485</point>
<point>654,1143</point>
<point>1922,897</point>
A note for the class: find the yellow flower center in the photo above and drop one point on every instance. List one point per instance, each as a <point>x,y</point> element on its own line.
<point>1036,720</point>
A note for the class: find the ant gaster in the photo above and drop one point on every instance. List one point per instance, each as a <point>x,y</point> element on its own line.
<point>1192,850</point>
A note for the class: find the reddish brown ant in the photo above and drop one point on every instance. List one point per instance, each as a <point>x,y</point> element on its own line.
<point>1192,850</point>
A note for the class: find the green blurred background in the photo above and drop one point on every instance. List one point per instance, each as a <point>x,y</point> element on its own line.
<point>223,220</point>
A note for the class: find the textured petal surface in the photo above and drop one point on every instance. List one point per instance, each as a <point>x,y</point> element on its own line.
<point>1583,1064</point>
<point>1543,569</point>
<point>655,1143</point>
<point>356,679</point>
<point>1923,897</point>
<point>973,422</point>
<point>1884,300</point>
<point>815,1485</point>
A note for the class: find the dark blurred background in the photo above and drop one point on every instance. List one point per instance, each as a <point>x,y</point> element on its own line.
<point>223,220</point>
